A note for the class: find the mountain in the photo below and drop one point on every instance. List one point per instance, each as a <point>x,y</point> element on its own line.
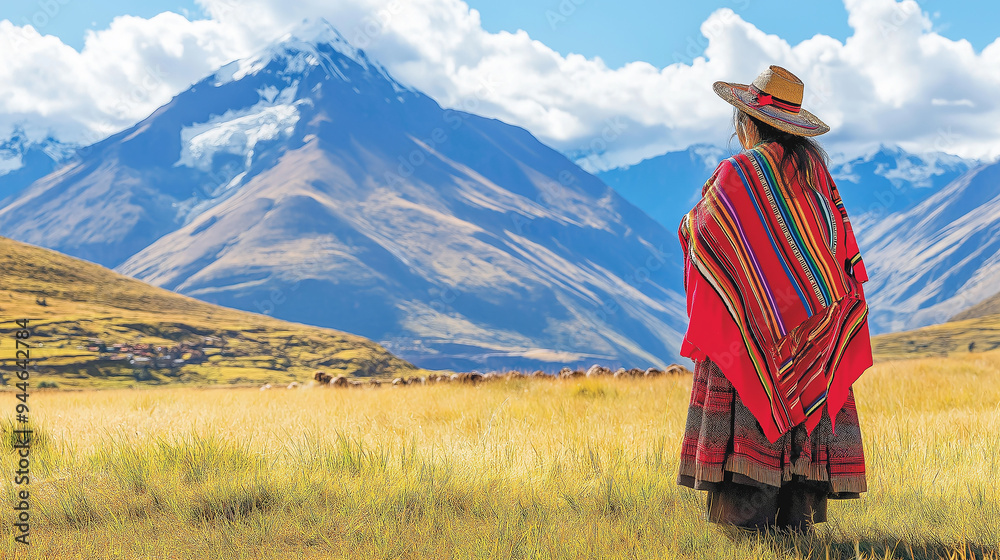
<point>306,183</point>
<point>938,258</point>
<point>890,181</point>
<point>928,249</point>
<point>884,182</point>
<point>666,186</point>
<point>990,306</point>
<point>76,309</point>
<point>23,161</point>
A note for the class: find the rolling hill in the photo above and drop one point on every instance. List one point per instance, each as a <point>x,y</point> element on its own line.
<point>980,334</point>
<point>77,309</point>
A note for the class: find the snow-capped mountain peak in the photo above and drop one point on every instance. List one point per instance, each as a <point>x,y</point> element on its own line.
<point>314,43</point>
<point>305,182</point>
<point>318,31</point>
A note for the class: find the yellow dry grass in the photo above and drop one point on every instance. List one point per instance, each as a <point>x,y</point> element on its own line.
<point>528,468</point>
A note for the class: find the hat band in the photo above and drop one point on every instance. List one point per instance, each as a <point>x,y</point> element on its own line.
<point>768,99</point>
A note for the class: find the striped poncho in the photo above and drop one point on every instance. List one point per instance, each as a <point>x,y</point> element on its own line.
<point>773,280</point>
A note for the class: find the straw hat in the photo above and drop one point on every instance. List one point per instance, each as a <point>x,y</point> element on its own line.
<point>775,97</point>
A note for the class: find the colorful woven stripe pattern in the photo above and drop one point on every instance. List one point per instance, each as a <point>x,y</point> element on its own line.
<point>773,279</point>
<point>721,435</point>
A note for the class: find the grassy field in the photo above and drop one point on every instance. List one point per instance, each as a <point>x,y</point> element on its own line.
<point>526,468</point>
<point>70,303</point>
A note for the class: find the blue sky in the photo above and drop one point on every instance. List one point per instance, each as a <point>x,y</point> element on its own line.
<point>622,31</point>
<point>869,90</point>
<point>627,30</point>
<point>70,19</point>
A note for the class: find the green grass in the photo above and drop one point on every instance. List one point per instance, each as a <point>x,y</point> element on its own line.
<point>527,468</point>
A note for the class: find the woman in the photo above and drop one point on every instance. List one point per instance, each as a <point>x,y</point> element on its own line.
<point>777,322</point>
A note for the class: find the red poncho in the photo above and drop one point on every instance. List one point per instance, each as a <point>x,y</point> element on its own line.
<point>773,278</point>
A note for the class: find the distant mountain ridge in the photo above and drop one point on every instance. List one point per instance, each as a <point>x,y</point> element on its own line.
<point>891,181</point>
<point>306,183</point>
<point>23,160</point>
<point>940,257</point>
<point>920,268</point>
<point>886,181</point>
<point>984,308</point>
<point>669,185</point>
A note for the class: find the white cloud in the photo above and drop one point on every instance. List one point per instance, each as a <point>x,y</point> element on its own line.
<point>122,74</point>
<point>894,81</point>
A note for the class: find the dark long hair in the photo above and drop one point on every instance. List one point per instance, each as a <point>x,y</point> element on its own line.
<point>796,149</point>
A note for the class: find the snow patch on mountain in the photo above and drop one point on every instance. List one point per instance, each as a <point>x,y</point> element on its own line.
<point>901,168</point>
<point>14,148</point>
<point>237,132</point>
<point>919,171</point>
<point>300,49</point>
<point>10,162</point>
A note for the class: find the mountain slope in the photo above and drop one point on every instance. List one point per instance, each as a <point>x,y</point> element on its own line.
<point>308,184</point>
<point>928,250</point>
<point>940,257</point>
<point>71,303</point>
<point>984,308</point>
<point>23,161</point>
<point>666,186</point>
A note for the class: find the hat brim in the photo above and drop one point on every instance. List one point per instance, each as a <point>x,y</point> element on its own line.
<point>802,123</point>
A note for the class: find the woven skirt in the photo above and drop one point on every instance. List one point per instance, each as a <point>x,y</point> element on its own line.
<point>752,482</point>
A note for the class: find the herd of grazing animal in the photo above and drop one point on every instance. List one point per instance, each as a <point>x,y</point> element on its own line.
<point>325,379</point>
